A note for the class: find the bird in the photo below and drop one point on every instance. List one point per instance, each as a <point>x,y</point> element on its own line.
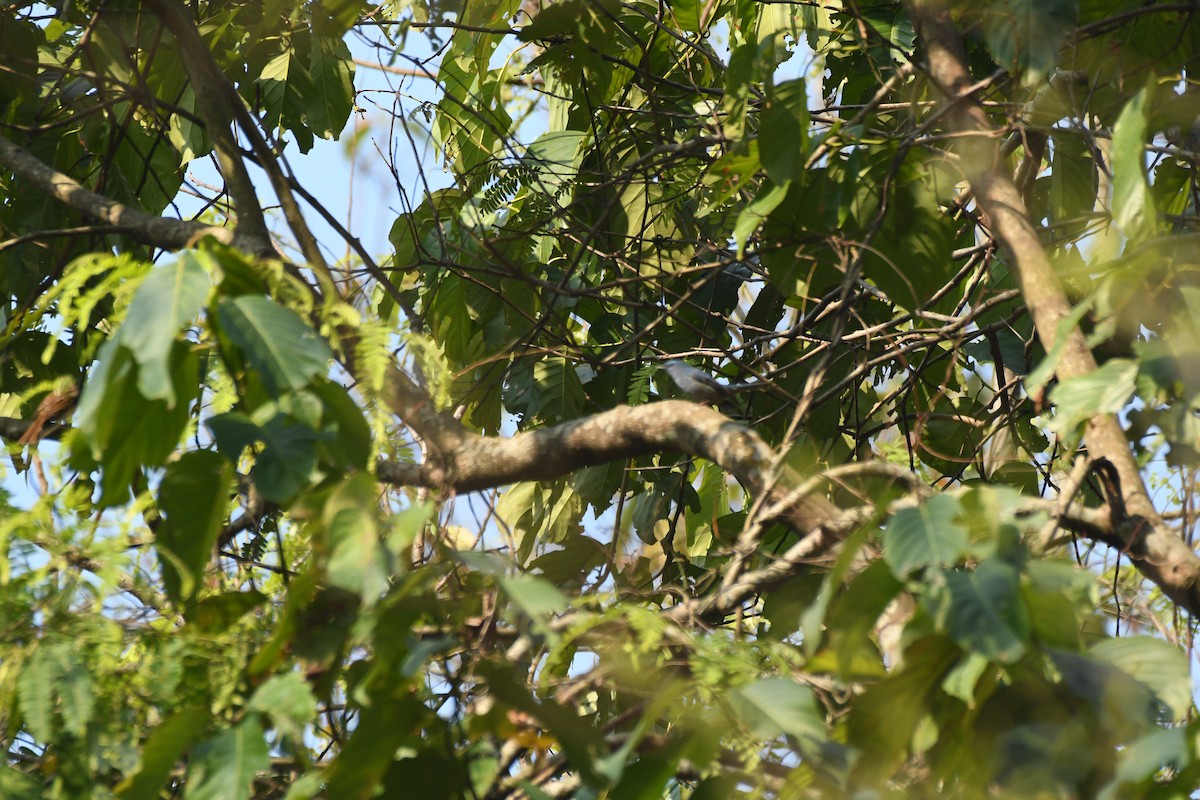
<point>700,386</point>
<point>54,406</point>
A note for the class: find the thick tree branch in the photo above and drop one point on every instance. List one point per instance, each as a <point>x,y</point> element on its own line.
<point>209,83</point>
<point>1155,548</point>
<point>671,426</point>
<point>221,106</point>
<point>161,232</point>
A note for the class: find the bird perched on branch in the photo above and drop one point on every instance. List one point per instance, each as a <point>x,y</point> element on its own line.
<point>702,387</point>
<point>53,408</point>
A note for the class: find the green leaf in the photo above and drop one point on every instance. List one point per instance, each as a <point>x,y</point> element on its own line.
<point>117,427</point>
<point>280,346</point>
<point>218,613</point>
<point>332,72</point>
<point>982,610</point>
<point>76,696</point>
<point>752,216</point>
<point>537,598</point>
<point>924,536</point>
<point>1026,35</point>
<point>161,752</point>
<point>782,134</point>
<point>345,12</point>
<point>55,679</point>
<point>308,786</point>
<point>1133,205</point>
<point>224,767</point>
<point>885,717</point>
<point>772,706</point>
<point>193,497</point>
<point>284,84</point>
<point>286,464</point>
<point>348,437</point>
<point>167,301</point>
<point>565,17</point>
<point>382,727</point>
<point>1103,391</point>
<point>1140,761</point>
<point>1124,705</point>
<point>570,565</point>
<point>961,680</point>
<point>1157,664</point>
<point>288,701</point>
<point>554,156</point>
<point>855,611</point>
<point>35,689</point>
<point>16,785</point>
<point>357,561</point>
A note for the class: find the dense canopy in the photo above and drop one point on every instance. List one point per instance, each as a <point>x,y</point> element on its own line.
<point>297,509</point>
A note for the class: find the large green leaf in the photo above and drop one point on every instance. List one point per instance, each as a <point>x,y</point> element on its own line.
<point>536,597</point>
<point>118,428</point>
<point>223,767</point>
<point>1102,391</point>
<point>167,301</point>
<point>280,346</point>
<point>288,700</point>
<point>1133,205</point>
<point>1157,664</point>
<point>382,727</point>
<point>983,611</point>
<point>192,497</point>
<point>1025,35</point>
<point>161,752</point>
<point>286,462</point>
<point>332,72</point>
<point>885,717</point>
<point>782,134</point>
<point>1138,763</point>
<point>772,706</point>
<point>55,688</point>
<point>357,562</point>
<point>924,536</point>
<point>284,88</point>
<point>554,157</point>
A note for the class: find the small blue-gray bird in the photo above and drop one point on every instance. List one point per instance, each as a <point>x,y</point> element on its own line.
<point>700,386</point>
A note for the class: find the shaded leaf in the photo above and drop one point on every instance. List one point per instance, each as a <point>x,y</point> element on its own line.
<point>193,497</point>
<point>280,346</point>
<point>223,767</point>
<point>924,536</point>
<point>983,611</point>
<point>772,706</point>
<point>1157,664</point>
<point>161,752</point>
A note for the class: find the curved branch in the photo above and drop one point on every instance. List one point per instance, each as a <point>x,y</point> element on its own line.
<point>670,426</point>
<point>1157,550</point>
